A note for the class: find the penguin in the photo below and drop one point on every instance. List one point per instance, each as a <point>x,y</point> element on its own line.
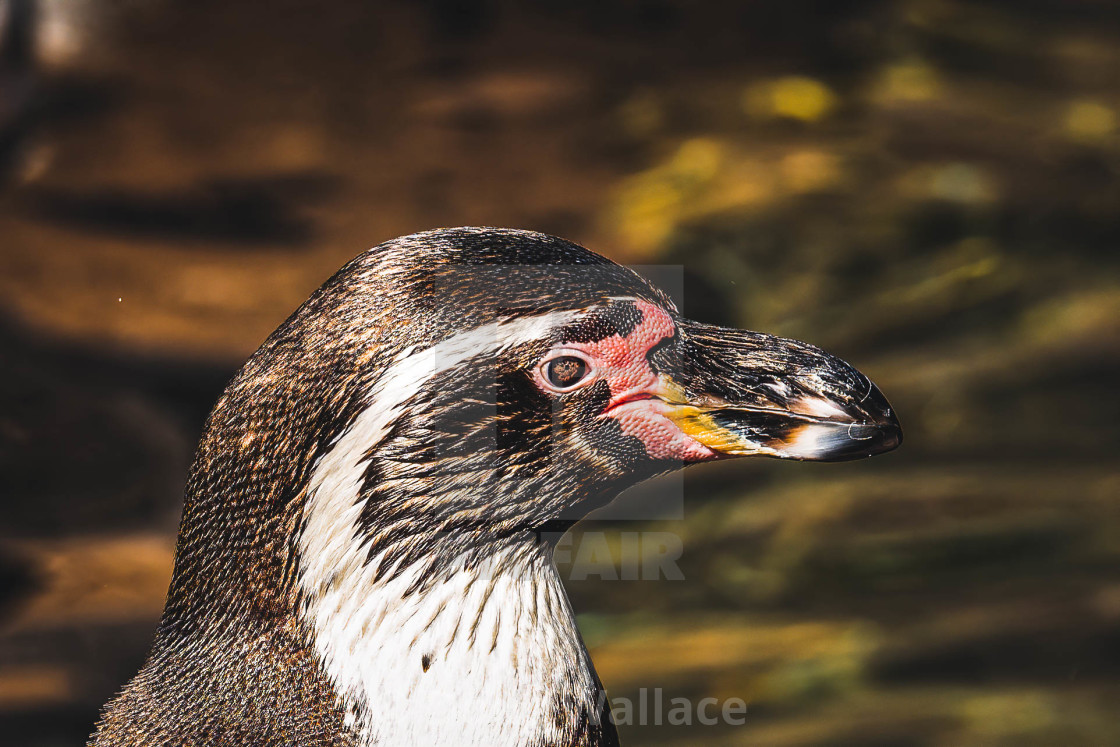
<point>364,556</point>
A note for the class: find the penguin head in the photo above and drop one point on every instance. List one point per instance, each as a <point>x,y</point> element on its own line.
<point>454,389</point>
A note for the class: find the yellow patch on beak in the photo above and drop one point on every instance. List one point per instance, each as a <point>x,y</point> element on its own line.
<point>696,424</point>
<point>694,421</point>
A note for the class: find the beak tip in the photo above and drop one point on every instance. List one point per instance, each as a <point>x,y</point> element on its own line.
<point>883,433</point>
<point>888,437</point>
<point>861,442</point>
<point>874,430</point>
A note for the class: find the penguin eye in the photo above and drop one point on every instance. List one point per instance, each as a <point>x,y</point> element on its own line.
<point>565,371</point>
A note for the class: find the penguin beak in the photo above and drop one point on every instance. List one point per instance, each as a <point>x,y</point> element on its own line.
<point>742,393</point>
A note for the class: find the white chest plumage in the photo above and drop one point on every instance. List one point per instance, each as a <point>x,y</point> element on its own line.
<point>486,657</point>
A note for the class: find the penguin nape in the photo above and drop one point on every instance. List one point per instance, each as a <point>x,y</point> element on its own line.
<point>363,559</point>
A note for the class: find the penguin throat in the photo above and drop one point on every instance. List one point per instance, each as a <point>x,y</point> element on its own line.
<point>487,654</point>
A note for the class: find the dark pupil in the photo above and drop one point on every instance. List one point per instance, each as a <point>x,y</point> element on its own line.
<point>565,371</point>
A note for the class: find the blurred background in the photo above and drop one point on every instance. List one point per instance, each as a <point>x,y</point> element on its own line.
<point>927,188</point>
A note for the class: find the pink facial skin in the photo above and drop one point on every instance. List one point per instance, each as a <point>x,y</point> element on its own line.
<point>623,363</point>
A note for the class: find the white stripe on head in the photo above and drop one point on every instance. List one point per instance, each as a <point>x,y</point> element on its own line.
<point>332,508</point>
<point>370,637</point>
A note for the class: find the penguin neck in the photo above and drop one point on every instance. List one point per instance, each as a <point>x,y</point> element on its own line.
<point>486,652</point>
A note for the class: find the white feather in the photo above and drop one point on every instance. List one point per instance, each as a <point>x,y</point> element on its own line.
<point>501,635</point>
